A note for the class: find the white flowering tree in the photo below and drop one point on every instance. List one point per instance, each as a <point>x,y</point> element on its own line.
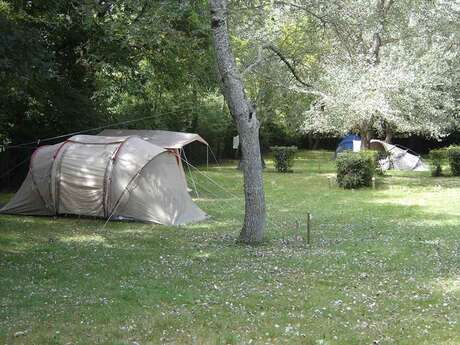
<point>393,68</point>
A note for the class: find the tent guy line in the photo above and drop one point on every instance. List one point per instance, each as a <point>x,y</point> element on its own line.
<point>14,168</point>
<point>225,190</point>
<point>38,141</point>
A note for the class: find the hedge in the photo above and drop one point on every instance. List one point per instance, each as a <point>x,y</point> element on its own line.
<point>284,157</point>
<point>355,169</point>
<point>437,157</point>
<point>454,160</point>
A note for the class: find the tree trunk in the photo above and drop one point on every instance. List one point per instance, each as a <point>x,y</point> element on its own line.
<point>240,162</point>
<point>388,135</point>
<point>315,143</point>
<point>247,125</point>
<point>366,136</point>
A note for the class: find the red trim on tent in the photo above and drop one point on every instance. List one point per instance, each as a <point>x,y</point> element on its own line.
<point>59,149</point>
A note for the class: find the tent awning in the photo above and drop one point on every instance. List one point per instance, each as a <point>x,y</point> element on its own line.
<point>164,139</point>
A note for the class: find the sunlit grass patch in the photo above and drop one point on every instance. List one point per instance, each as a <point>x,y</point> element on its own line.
<point>449,285</point>
<point>85,239</point>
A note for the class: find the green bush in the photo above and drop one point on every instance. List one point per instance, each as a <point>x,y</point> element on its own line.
<point>437,157</point>
<point>355,169</point>
<point>454,159</point>
<point>284,157</point>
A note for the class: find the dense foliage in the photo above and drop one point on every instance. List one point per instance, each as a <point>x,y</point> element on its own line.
<point>68,66</point>
<point>308,68</point>
<point>355,169</point>
<point>46,81</point>
<point>283,157</point>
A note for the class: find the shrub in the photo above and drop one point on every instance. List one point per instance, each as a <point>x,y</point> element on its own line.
<point>454,159</point>
<point>355,169</point>
<point>437,157</point>
<point>284,157</point>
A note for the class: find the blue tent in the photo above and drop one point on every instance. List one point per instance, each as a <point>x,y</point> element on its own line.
<point>346,143</point>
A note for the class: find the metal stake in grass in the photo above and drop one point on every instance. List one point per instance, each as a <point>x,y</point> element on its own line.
<point>308,227</point>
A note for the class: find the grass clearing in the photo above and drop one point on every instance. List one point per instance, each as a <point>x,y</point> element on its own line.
<point>383,268</point>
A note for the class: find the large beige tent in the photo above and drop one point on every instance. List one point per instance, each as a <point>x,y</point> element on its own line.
<point>109,177</point>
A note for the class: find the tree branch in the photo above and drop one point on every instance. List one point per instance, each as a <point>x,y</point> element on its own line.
<point>278,53</point>
<point>259,59</point>
<point>322,19</point>
<point>382,10</point>
<point>141,12</point>
<point>303,90</point>
<point>287,63</point>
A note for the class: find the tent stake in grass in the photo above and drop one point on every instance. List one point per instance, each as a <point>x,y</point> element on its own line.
<point>308,227</point>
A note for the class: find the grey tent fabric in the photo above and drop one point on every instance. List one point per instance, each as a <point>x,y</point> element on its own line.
<point>399,158</point>
<point>164,139</point>
<point>108,177</point>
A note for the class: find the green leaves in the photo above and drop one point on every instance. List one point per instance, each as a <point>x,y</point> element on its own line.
<point>355,169</point>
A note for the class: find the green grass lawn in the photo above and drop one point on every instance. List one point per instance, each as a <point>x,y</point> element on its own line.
<point>383,268</point>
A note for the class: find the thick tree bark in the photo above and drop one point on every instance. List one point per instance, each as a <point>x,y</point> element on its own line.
<point>247,124</point>
<point>240,162</point>
<point>388,134</point>
<point>383,6</point>
<point>366,136</point>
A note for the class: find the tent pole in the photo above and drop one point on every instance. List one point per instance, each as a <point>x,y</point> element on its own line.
<point>191,174</point>
<point>118,202</point>
<point>207,157</point>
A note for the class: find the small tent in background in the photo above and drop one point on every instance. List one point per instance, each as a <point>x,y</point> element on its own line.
<point>398,157</point>
<point>347,143</point>
<point>108,177</point>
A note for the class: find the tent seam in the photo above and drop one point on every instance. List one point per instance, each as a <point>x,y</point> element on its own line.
<point>108,177</point>
<point>57,182</point>
<point>129,184</point>
<point>32,176</point>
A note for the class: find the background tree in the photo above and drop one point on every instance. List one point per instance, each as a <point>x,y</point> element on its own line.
<point>385,73</point>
